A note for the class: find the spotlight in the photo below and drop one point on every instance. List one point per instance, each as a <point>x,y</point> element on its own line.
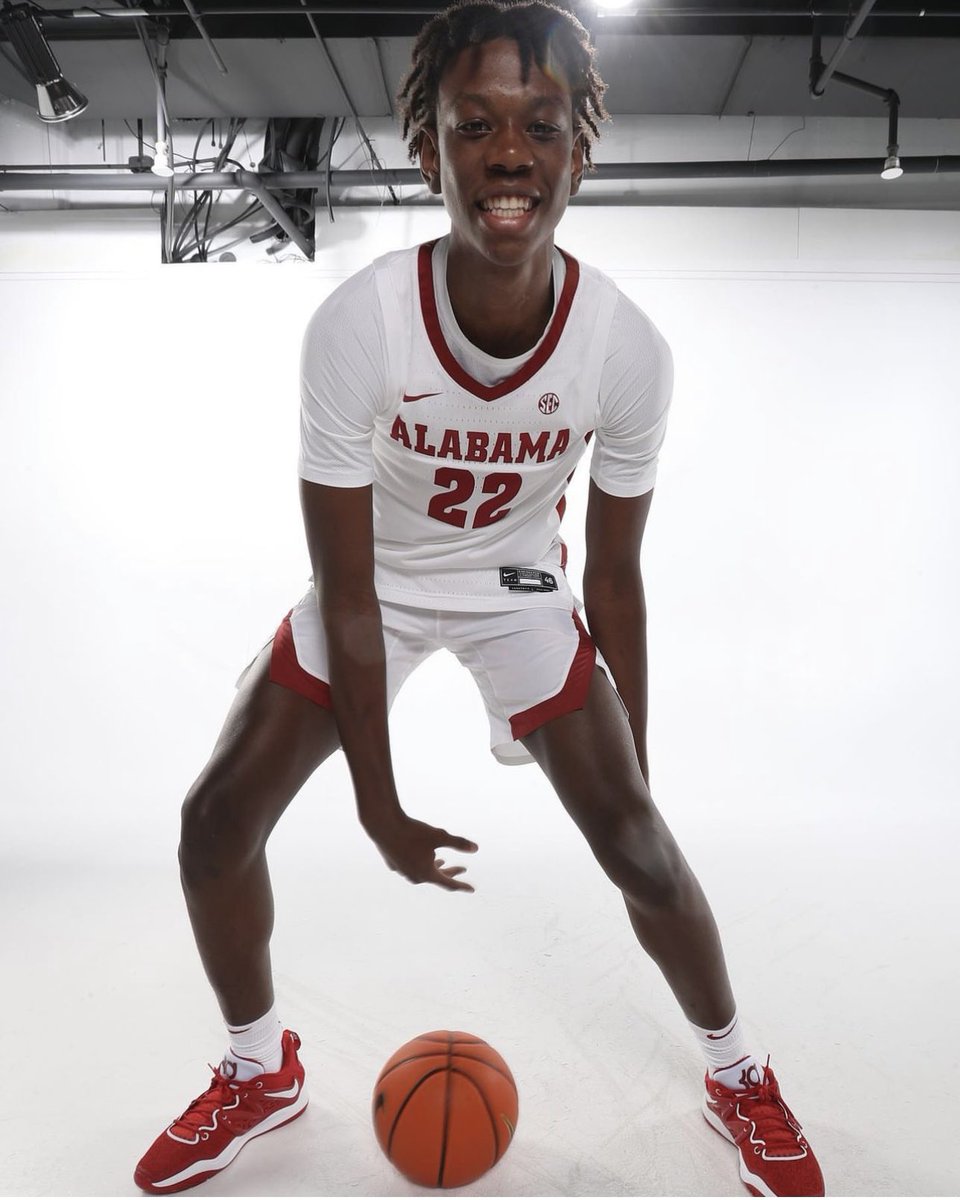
<point>161,160</point>
<point>57,100</point>
<point>891,167</point>
<point>628,7</point>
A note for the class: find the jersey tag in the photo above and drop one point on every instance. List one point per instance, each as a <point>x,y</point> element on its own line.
<point>527,579</point>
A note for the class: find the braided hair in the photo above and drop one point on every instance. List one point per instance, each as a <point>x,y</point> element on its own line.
<point>544,33</point>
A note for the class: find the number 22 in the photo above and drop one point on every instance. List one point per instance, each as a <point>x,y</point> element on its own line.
<point>502,488</point>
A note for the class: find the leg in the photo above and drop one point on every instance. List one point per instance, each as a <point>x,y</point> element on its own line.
<point>590,759</point>
<point>272,741</point>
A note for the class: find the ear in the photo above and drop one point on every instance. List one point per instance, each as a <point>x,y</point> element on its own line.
<point>576,164</point>
<point>430,158</point>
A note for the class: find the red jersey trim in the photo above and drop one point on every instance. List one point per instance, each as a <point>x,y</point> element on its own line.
<point>286,670</point>
<point>431,321</point>
<point>571,697</point>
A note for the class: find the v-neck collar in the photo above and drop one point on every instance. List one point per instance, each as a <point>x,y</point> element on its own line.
<point>431,321</point>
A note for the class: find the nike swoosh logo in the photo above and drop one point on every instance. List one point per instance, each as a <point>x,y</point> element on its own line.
<point>715,1037</point>
<point>289,1094</point>
<point>422,396</point>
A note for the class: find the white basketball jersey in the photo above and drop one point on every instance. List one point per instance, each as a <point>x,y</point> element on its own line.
<point>469,479</point>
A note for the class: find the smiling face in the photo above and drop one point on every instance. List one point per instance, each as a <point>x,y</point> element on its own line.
<point>505,154</point>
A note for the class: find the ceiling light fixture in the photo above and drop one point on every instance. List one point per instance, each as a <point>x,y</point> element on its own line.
<point>161,160</point>
<point>820,74</point>
<point>892,168</point>
<point>627,7</point>
<point>57,100</point>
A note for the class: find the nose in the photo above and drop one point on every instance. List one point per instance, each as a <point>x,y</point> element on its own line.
<point>508,151</point>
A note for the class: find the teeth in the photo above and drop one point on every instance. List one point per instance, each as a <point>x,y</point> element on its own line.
<point>507,205</point>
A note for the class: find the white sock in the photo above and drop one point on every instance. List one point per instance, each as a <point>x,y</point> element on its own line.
<point>254,1049</point>
<point>729,1061</point>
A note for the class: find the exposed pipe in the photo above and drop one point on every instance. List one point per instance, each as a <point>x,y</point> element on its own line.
<point>164,129</point>
<point>410,10</point>
<point>161,96</point>
<point>328,57</point>
<point>890,98</point>
<point>12,180</point>
<point>846,42</point>
<point>254,183</point>
<point>198,21</point>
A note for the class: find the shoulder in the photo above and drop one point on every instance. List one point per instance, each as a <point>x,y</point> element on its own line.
<point>344,344</point>
<point>356,307</point>
<point>638,359</point>
<point>632,332</point>
<point>636,384</point>
<point>349,300</point>
<point>635,332</point>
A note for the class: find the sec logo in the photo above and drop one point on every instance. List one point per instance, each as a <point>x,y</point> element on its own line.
<point>548,403</point>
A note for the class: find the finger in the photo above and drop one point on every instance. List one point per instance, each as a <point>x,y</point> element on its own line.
<point>453,885</point>
<point>457,843</point>
<point>447,879</point>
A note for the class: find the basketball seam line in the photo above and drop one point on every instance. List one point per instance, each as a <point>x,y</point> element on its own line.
<point>446,1121</point>
<point>409,1096</point>
<point>441,1054</point>
<point>486,1104</point>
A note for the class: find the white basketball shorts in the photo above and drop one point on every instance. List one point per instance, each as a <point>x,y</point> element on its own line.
<point>530,665</point>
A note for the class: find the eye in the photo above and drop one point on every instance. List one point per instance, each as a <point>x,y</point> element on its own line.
<point>543,129</point>
<point>474,126</point>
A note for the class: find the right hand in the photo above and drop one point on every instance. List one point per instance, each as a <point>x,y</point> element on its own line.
<point>409,847</point>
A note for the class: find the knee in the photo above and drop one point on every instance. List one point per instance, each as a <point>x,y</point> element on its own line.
<point>217,831</point>
<point>639,855</point>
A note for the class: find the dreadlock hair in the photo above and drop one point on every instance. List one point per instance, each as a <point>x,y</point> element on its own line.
<point>544,33</point>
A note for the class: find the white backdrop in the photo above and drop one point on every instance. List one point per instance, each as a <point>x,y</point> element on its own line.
<point>801,567</point>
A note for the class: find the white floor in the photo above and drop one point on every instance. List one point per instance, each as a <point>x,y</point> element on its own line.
<point>802,568</point>
<point>842,950</point>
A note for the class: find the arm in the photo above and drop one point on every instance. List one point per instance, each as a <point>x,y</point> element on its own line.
<point>614,600</point>
<point>339,529</point>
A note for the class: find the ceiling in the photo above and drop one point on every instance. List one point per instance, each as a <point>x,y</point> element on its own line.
<point>739,59</point>
<point>670,59</point>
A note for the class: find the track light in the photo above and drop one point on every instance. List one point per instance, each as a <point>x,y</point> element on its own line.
<point>891,167</point>
<point>57,100</point>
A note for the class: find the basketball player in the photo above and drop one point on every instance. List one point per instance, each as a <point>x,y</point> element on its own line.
<point>447,393</point>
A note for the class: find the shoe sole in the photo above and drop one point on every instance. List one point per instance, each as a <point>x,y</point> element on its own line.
<point>205,1169</point>
<point>752,1182</point>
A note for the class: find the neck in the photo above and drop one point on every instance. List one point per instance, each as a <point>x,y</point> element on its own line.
<point>503,310</point>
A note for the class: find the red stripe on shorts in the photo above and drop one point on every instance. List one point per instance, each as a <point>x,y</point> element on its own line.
<point>571,697</point>
<point>285,670</point>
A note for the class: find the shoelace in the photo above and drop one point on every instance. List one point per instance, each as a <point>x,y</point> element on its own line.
<point>766,1108</point>
<point>199,1112</point>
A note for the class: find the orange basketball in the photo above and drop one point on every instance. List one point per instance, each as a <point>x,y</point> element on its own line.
<point>445,1108</point>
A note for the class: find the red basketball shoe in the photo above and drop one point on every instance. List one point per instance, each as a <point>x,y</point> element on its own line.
<point>775,1158</point>
<point>218,1124</point>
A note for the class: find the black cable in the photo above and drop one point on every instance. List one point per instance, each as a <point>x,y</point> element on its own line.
<point>207,201</point>
<point>247,212</point>
<point>152,146</point>
<point>329,157</point>
<point>198,197</point>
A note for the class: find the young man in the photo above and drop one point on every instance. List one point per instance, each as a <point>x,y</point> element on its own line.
<point>448,392</point>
